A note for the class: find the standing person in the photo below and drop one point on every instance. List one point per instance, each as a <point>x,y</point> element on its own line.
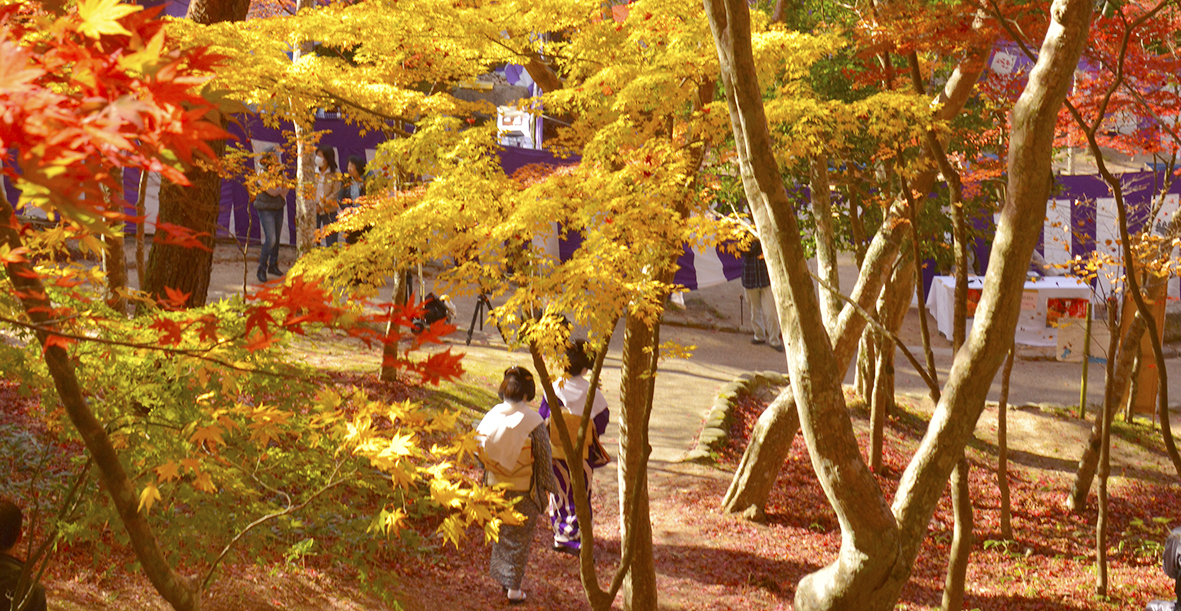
<point>354,189</point>
<point>328,189</point>
<point>572,392</point>
<point>515,450</point>
<point>764,316</point>
<point>270,203</point>
<point>11,525</point>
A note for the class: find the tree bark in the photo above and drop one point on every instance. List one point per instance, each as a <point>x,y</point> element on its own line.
<point>878,549</point>
<point>114,258</point>
<point>196,206</point>
<point>765,465</point>
<point>868,528</point>
<point>175,589</point>
<point>826,242</point>
<point>389,350</point>
<point>883,389</point>
<point>863,383</point>
<point>1101,521</point>
<point>637,384</point>
<point>770,443</point>
<point>961,540</point>
<point>305,152</point>
<point>772,437</point>
<point>140,214</point>
<point>1002,445</point>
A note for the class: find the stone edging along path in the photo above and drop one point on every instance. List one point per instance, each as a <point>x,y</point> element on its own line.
<point>716,427</point>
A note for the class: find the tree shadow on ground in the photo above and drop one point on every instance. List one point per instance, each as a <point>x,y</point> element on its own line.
<point>731,568</point>
<point>927,597</point>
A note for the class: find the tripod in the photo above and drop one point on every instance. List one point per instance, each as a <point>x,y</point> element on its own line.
<point>482,305</point>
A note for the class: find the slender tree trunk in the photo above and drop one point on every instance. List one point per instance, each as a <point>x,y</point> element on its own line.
<point>1121,355</point>
<point>640,354</point>
<point>174,588</point>
<point>305,152</point>
<point>826,242</point>
<point>305,202</point>
<point>140,213</point>
<point>389,350</point>
<point>1133,395</point>
<point>961,540</point>
<point>1101,521</point>
<point>863,382</point>
<point>772,437</point>
<point>883,392</point>
<point>770,443</point>
<point>114,258</point>
<point>1002,444</point>
<point>961,499</point>
<point>868,526</point>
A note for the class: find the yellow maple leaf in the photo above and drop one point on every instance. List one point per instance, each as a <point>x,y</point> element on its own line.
<point>168,472</point>
<point>102,17</point>
<point>204,483</point>
<point>149,496</point>
<point>211,434</point>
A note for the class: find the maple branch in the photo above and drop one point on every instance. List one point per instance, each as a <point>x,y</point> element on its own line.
<point>197,354</point>
<point>388,117</point>
<point>1130,273</point>
<point>333,482</point>
<point>873,322</point>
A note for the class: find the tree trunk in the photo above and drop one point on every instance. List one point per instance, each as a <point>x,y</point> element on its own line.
<point>883,389</point>
<point>194,207</point>
<point>1002,445</point>
<point>389,350</point>
<point>826,243</point>
<point>961,541</point>
<point>305,152</point>
<point>114,258</point>
<point>772,437</point>
<point>869,530</point>
<point>1101,520</point>
<point>949,101</point>
<point>877,550</point>
<point>174,588</point>
<point>770,443</point>
<point>1116,384</point>
<point>140,214</point>
<point>867,359</point>
<point>640,354</point>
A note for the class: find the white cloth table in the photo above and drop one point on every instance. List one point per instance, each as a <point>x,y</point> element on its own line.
<point>1031,326</point>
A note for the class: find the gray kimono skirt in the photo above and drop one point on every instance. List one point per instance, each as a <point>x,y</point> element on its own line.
<point>510,553</point>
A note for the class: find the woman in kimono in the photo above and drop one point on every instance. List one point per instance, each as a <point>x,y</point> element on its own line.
<point>515,450</point>
<point>572,391</point>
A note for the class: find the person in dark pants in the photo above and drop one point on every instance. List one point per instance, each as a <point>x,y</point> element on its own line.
<point>515,451</point>
<point>270,203</point>
<point>764,316</point>
<point>11,567</point>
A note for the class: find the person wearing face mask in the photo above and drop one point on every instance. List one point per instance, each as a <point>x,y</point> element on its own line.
<point>328,189</point>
